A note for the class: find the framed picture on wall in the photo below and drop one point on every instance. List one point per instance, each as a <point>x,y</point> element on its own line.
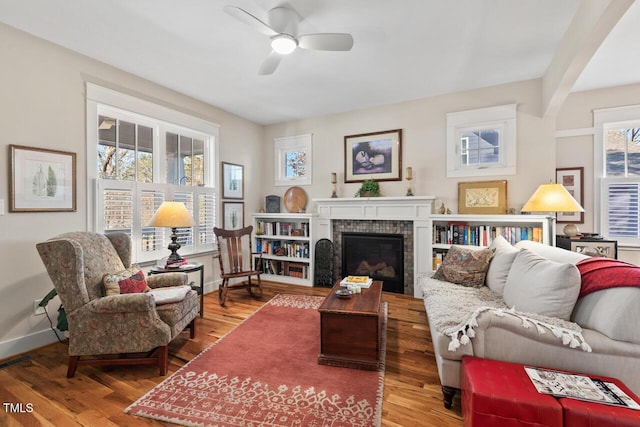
<point>41,180</point>
<point>376,155</point>
<point>233,215</point>
<point>232,181</point>
<point>572,179</point>
<point>482,197</point>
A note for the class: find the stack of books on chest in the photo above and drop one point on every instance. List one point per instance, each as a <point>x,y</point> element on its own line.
<point>361,281</point>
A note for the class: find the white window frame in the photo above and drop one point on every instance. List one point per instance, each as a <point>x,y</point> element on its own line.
<point>604,119</point>
<point>104,101</point>
<point>502,117</point>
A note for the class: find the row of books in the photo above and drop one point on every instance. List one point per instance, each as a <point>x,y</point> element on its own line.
<point>285,268</point>
<point>482,235</point>
<point>280,228</point>
<point>283,248</point>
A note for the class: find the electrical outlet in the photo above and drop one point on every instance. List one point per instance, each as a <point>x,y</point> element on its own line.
<point>37,310</point>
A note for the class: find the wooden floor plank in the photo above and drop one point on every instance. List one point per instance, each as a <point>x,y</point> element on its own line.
<point>98,395</point>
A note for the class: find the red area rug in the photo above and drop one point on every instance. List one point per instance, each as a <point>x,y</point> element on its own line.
<point>265,373</point>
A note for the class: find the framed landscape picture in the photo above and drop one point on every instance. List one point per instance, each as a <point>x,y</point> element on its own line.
<point>41,180</point>
<point>482,197</point>
<point>571,179</point>
<point>376,155</point>
<point>232,181</point>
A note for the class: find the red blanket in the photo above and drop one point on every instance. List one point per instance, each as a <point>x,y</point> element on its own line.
<point>604,273</point>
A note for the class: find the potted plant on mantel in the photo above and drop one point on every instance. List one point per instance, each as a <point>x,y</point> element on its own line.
<point>369,188</point>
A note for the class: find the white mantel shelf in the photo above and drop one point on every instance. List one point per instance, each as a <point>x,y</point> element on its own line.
<point>401,208</point>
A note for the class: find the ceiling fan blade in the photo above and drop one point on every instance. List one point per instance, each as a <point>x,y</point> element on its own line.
<point>270,64</point>
<point>244,16</point>
<point>326,41</point>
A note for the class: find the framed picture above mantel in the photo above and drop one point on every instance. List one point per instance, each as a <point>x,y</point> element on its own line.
<point>375,155</point>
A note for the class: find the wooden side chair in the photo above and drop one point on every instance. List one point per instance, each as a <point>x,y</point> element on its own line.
<point>236,257</point>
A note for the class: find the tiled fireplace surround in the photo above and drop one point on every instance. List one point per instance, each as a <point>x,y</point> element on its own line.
<point>407,216</point>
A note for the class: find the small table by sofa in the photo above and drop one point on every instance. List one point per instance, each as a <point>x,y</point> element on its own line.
<point>351,328</point>
<point>187,268</point>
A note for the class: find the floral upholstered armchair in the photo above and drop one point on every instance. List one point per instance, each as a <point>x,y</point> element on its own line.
<point>144,321</point>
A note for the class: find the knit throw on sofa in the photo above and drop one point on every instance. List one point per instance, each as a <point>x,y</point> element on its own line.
<point>459,324</point>
<point>603,273</point>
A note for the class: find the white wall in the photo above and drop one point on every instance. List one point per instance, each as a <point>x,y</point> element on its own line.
<point>576,116</point>
<point>423,123</point>
<point>42,104</point>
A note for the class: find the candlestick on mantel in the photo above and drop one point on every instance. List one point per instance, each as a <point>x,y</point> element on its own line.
<point>333,185</point>
<point>409,178</point>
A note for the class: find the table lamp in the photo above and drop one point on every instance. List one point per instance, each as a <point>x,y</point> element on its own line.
<point>554,198</point>
<point>172,215</point>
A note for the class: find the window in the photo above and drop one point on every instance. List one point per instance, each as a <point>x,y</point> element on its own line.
<point>482,142</point>
<point>617,164</point>
<point>147,154</point>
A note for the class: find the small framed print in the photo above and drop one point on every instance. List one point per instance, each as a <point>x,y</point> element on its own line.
<point>572,179</point>
<point>41,180</point>
<point>233,215</point>
<point>482,197</point>
<point>232,181</point>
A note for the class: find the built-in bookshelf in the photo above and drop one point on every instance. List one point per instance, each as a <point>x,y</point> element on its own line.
<point>286,241</point>
<point>480,230</point>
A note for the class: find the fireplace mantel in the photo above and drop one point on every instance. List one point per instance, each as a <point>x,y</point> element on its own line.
<point>403,208</point>
<point>416,209</point>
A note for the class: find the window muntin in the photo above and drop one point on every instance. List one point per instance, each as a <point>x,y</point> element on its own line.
<point>480,147</point>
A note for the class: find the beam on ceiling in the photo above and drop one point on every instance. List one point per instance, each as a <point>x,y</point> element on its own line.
<point>593,21</point>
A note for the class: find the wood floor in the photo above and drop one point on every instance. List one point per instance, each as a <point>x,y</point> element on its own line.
<point>97,396</point>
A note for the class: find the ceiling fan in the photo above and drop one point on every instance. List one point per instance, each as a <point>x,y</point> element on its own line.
<point>282,28</point>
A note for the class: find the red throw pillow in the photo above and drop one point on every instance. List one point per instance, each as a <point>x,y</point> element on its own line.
<point>134,284</point>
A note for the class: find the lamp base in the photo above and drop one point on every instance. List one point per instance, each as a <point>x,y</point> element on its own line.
<point>570,230</point>
<point>173,247</point>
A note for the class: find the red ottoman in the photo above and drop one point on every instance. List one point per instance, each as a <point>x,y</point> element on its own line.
<point>578,413</point>
<point>501,394</point>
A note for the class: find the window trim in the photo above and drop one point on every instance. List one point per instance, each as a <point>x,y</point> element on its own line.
<point>604,118</point>
<point>501,117</point>
<point>100,99</point>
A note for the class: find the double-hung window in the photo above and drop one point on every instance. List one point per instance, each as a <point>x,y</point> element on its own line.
<point>617,163</point>
<point>141,154</point>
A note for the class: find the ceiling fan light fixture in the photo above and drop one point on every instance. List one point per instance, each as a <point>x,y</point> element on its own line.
<point>283,44</point>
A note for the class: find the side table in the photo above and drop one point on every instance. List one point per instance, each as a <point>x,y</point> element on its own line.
<point>592,246</point>
<point>187,268</point>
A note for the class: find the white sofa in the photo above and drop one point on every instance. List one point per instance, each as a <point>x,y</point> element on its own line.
<point>600,336</point>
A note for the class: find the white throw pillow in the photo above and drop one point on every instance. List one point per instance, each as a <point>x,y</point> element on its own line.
<point>538,285</point>
<point>169,294</point>
<point>500,264</point>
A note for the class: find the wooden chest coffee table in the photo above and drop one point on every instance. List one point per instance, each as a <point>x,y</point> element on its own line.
<point>351,328</point>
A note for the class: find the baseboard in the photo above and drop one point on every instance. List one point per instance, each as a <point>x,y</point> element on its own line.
<point>27,343</point>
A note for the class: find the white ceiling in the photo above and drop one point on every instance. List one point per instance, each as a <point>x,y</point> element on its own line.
<point>403,49</point>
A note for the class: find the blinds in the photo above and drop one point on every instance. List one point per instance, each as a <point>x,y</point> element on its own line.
<point>623,208</point>
<point>128,206</point>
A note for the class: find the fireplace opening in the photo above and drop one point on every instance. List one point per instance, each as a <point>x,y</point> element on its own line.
<point>379,256</point>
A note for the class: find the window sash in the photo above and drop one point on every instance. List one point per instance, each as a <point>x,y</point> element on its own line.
<point>127,206</point>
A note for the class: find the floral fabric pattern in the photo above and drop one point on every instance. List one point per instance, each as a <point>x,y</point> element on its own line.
<point>123,323</point>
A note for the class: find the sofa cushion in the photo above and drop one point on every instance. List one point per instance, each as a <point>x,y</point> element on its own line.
<point>612,312</point>
<point>127,281</point>
<point>500,264</point>
<point>551,252</point>
<point>538,285</point>
<point>465,266</point>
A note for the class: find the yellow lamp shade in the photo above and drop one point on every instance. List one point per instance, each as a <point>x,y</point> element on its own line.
<point>552,198</point>
<point>171,214</point>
